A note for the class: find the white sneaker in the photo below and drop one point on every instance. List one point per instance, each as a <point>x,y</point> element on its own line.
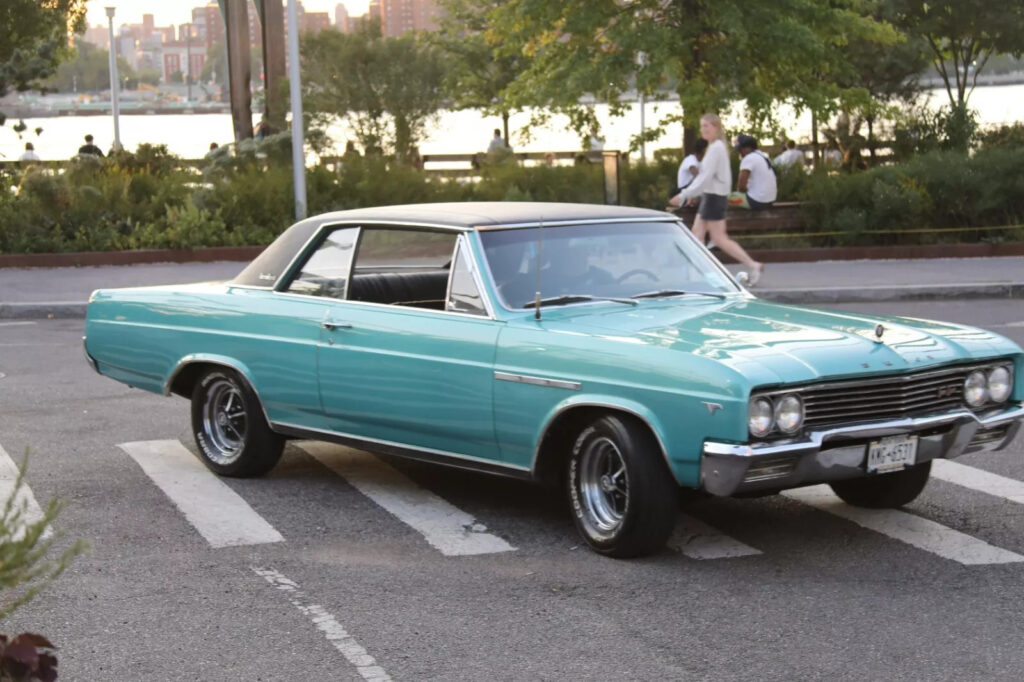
<point>755,274</point>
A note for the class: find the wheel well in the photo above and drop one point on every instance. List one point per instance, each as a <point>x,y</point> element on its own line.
<point>186,378</point>
<point>557,442</point>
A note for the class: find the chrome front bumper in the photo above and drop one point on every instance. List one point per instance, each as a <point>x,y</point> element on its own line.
<point>839,453</point>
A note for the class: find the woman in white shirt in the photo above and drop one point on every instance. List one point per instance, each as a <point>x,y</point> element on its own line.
<point>713,184</point>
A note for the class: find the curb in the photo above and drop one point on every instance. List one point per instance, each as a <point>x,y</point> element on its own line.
<point>45,310</point>
<point>875,294</point>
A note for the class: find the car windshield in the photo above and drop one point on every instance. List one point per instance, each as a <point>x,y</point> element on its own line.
<point>628,260</point>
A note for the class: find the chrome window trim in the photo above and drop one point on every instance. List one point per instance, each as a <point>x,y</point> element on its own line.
<point>403,446</point>
<point>357,224</point>
<point>248,286</point>
<point>389,306</point>
<point>610,406</point>
<point>667,218</point>
<point>463,243</point>
<point>537,381</point>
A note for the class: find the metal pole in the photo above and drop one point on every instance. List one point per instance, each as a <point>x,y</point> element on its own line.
<point>643,144</point>
<point>298,150</point>
<point>188,58</point>
<point>115,106</point>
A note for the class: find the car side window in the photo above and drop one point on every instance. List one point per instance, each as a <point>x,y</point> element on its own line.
<point>325,272</point>
<point>402,267</point>
<point>464,295</point>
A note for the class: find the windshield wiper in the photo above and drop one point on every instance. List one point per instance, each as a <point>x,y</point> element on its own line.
<point>576,298</point>
<point>663,293</point>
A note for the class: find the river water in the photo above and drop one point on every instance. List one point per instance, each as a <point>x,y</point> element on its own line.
<point>454,132</point>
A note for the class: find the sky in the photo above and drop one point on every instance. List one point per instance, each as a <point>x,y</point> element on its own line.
<point>179,11</point>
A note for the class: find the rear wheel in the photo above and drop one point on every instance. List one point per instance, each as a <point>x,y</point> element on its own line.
<point>884,491</point>
<point>622,494</point>
<point>233,436</point>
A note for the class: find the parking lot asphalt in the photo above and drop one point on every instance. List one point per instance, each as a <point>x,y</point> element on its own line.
<point>40,293</point>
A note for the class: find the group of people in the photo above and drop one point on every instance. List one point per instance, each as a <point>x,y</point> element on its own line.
<point>89,147</point>
<point>707,174</point>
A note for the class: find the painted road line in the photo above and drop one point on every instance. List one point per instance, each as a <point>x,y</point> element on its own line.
<point>698,540</point>
<point>32,512</point>
<point>446,527</point>
<point>921,533</point>
<point>333,631</point>
<point>15,324</point>
<point>215,510</point>
<point>977,479</point>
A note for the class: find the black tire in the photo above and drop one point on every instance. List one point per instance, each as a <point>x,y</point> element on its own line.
<point>884,491</point>
<point>233,436</point>
<point>622,495</point>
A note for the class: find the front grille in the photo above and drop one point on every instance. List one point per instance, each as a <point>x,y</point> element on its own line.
<point>909,395</point>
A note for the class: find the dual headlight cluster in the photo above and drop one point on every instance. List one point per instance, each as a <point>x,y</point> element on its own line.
<point>991,385</point>
<point>784,412</point>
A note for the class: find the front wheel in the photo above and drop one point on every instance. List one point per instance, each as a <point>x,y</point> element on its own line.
<point>622,493</point>
<point>884,491</point>
<point>234,438</point>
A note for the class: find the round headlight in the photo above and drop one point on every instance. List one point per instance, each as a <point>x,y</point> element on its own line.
<point>976,389</point>
<point>760,417</point>
<point>789,413</point>
<point>999,384</point>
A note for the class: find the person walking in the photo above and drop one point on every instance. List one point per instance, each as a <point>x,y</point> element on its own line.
<point>713,183</point>
<point>90,148</point>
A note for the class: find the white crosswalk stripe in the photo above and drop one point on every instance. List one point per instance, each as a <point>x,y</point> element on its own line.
<point>8,477</point>
<point>977,479</point>
<point>447,528</point>
<point>215,510</point>
<point>697,540</point>
<point>921,533</point>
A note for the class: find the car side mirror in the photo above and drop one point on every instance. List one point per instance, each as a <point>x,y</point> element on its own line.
<point>743,277</point>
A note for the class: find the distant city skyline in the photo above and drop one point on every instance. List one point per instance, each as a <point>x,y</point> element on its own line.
<point>131,11</point>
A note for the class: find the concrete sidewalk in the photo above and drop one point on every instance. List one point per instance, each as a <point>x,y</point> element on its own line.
<point>63,292</point>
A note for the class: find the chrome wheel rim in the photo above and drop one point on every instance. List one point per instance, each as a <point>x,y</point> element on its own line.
<point>603,485</point>
<point>224,421</point>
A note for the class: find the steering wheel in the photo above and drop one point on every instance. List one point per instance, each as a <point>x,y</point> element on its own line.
<point>638,271</point>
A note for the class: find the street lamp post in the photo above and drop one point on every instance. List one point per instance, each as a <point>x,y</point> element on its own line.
<point>188,58</point>
<point>115,105</point>
<point>298,152</point>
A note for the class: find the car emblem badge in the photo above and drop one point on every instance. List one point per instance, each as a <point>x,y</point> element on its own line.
<point>879,332</point>
<point>946,391</point>
<point>712,407</point>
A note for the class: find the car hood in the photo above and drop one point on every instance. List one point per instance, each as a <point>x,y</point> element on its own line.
<point>771,342</point>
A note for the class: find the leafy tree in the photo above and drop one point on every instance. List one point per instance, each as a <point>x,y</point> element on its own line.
<point>88,70</point>
<point>477,78</point>
<point>34,39</point>
<point>962,36</point>
<point>712,53</point>
<point>387,88</point>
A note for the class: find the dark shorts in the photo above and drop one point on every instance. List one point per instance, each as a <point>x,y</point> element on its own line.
<point>712,206</point>
<point>756,205</point>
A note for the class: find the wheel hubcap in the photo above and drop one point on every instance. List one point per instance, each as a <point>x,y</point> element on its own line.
<point>603,485</point>
<point>224,421</point>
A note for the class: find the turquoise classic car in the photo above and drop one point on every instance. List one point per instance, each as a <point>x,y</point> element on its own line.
<point>599,347</point>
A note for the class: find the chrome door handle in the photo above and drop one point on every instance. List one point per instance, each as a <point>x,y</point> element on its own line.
<point>331,326</point>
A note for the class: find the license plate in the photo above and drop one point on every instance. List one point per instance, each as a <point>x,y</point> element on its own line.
<point>892,453</point>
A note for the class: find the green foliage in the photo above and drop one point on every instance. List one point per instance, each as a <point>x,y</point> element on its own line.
<point>962,36</point>
<point>387,88</point>
<point>25,543</point>
<point>34,39</point>
<point>918,131</point>
<point>1004,137</point>
<point>714,54</point>
<point>942,189</point>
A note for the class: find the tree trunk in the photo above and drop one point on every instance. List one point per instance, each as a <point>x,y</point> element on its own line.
<point>871,138</point>
<point>504,127</point>
<point>276,103</point>
<point>239,67</point>
<point>815,156</point>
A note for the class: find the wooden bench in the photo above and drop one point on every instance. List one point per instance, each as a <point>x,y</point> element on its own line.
<point>782,217</point>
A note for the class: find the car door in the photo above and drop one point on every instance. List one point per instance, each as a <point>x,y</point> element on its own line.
<point>414,372</point>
